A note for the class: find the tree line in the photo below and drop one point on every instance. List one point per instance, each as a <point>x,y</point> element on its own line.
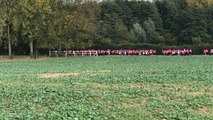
<point>27,26</point>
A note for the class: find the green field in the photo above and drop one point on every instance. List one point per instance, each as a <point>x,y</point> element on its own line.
<point>108,88</point>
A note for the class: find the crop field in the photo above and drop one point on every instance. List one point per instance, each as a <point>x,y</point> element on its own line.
<point>108,88</point>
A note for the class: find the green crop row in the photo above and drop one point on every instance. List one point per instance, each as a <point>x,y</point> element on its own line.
<point>108,87</point>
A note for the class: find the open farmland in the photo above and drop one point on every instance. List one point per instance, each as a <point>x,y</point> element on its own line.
<point>108,87</point>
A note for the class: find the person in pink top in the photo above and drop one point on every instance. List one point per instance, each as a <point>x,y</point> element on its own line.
<point>154,52</point>
<point>211,51</point>
<point>205,51</point>
<point>129,52</point>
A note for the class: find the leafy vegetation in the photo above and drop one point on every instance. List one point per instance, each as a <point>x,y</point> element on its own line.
<point>108,87</point>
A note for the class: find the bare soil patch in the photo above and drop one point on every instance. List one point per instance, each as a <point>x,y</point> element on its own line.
<point>116,86</point>
<point>48,84</point>
<point>22,58</point>
<point>57,75</point>
<point>173,87</point>
<point>34,84</point>
<point>203,111</point>
<point>128,105</point>
<point>94,73</point>
<point>75,74</point>
<point>194,93</point>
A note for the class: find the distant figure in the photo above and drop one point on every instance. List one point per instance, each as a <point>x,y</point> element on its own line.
<point>205,51</point>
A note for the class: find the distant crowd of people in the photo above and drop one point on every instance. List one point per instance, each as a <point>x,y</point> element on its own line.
<point>127,52</point>
<point>206,51</point>
<point>102,52</point>
<point>177,52</point>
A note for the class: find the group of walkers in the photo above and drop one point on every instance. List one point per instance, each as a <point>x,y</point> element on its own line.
<point>102,52</point>
<point>206,51</point>
<point>126,52</point>
<point>177,52</point>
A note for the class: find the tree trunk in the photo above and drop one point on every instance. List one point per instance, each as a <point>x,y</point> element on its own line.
<point>35,53</point>
<point>31,48</point>
<point>9,42</point>
<point>59,49</point>
<point>50,52</point>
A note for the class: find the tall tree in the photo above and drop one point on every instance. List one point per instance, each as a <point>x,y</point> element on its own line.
<point>81,20</point>
<point>8,9</point>
<point>149,27</point>
<point>33,20</point>
<point>195,26</point>
<point>138,34</point>
<point>2,23</point>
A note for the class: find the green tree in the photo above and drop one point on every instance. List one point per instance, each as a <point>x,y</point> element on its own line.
<point>138,34</point>
<point>81,19</point>
<point>195,26</point>
<point>111,25</point>
<point>168,10</point>
<point>33,17</point>
<point>143,10</point>
<point>149,27</point>
<point>8,17</point>
<point>2,24</point>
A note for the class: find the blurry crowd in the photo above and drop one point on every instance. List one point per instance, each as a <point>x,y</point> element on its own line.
<point>206,51</point>
<point>177,52</point>
<point>128,52</point>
